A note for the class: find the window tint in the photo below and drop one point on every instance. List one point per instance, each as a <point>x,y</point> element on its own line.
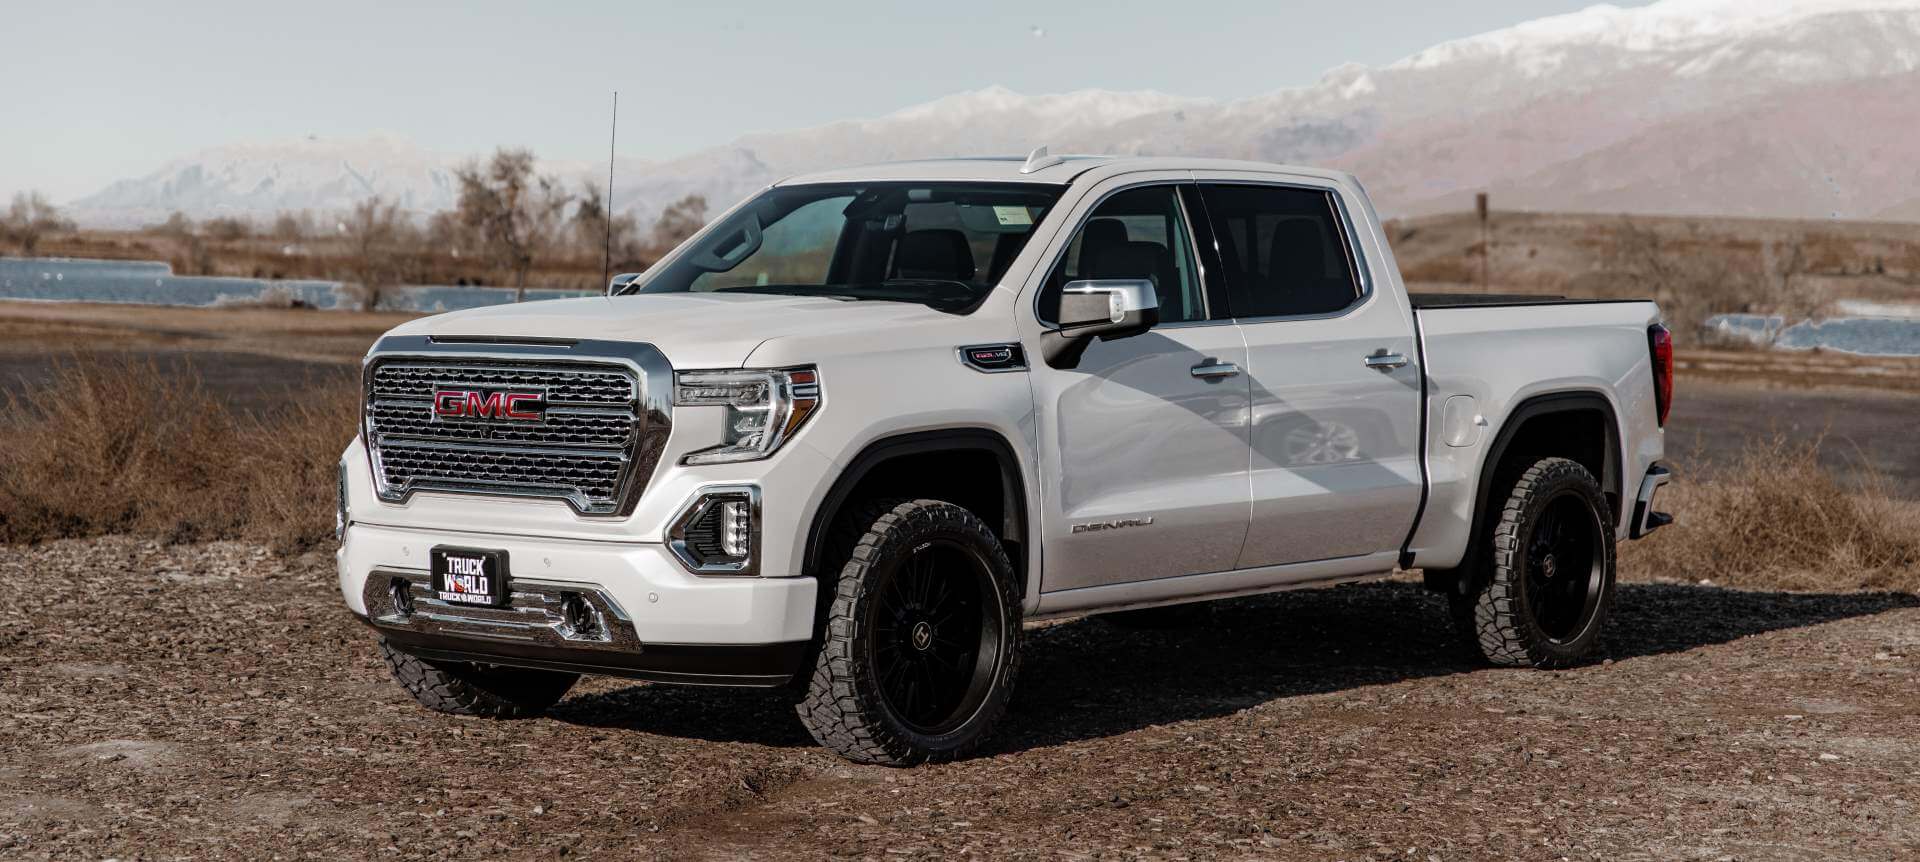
<point>1138,233</point>
<point>1282,250</point>
<point>942,244</point>
<point>796,249</point>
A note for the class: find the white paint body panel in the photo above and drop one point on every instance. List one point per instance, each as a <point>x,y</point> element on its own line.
<point>1503,356</point>
<point>1126,435</point>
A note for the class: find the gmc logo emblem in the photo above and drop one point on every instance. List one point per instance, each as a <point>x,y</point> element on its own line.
<point>470,404</point>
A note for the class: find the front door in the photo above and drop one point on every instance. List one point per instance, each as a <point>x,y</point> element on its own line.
<point>1334,373</point>
<point>1147,436</point>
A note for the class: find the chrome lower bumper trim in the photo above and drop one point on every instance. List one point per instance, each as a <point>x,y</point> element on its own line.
<point>535,614</point>
<point>1645,519</point>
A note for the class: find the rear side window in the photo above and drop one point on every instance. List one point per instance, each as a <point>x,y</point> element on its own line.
<point>1282,249</point>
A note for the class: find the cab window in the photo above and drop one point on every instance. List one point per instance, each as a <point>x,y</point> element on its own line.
<point>1282,250</point>
<point>1135,234</point>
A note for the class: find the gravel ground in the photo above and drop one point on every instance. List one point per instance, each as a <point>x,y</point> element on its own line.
<point>214,702</point>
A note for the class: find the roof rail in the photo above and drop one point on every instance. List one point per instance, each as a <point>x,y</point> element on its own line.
<point>1040,159</point>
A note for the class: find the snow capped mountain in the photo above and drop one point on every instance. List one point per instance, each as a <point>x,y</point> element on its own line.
<point>255,180</point>
<point>1798,108</point>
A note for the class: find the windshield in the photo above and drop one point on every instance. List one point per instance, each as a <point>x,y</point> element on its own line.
<point>940,244</point>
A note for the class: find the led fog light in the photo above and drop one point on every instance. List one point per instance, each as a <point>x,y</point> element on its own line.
<point>719,532</point>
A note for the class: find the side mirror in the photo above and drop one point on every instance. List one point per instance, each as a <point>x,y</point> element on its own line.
<point>623,283</point>
<point>1104,308</point>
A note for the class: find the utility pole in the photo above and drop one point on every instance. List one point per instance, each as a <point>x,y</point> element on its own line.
<point>1486,242</point>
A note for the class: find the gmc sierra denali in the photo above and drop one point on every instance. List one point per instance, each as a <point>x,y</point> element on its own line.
<point>853,434</point>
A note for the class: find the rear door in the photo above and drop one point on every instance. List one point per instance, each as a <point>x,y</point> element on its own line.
<point>1332,367</point>
<point>1144,444</point>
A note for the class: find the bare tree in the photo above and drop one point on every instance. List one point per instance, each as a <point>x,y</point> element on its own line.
<point>1695,275</point>
<point>177,226</point>
<point>227,228</point>
<point>591,232</point>
<point>514,214</point>
<point>681,219</point>
<point>374,231</point>
<point>30,218</point>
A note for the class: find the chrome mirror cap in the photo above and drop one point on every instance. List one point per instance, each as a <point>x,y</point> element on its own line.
<point>1122,296</point>
<point>1106,309</point>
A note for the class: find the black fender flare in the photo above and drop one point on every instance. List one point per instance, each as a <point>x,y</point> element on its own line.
<point>1012,482</point>
<point>1545,404</point>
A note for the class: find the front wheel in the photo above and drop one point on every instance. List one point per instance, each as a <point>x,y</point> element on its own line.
<point>1550,579</point>
<point>467,689</point>
<point>922,638</point>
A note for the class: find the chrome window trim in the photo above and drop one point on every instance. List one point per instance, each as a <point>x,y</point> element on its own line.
<point>1356,260</point>
<point>1193,248</point>
<point>677,531</point>
<point>653,410</point>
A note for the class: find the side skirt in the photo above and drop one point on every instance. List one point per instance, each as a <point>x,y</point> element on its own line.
<point>1215,585</point>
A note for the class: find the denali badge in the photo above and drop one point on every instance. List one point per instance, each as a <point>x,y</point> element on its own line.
<point>1097,526</point>
<point>505,406</point>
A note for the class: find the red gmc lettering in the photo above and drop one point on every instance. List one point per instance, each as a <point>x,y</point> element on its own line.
<point>467,404</point>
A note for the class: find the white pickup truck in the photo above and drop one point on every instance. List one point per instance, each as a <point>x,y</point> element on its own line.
<point>857,431</point>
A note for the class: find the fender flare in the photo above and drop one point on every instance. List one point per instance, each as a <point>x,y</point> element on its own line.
<point>1012,482</point>
<point>1545,404</point>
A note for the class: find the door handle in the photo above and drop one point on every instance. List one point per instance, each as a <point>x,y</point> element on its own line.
<point>1213,370</point>
<point>1385,362</point>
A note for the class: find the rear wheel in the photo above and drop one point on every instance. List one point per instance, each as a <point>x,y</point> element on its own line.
<point>459,688</point>
<point>921,641</point>
<point>1550,577</point>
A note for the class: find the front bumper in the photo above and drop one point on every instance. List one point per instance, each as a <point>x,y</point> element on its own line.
<point>621,609</point>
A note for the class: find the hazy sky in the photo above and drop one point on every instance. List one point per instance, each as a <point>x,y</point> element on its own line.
<point>97,91</point>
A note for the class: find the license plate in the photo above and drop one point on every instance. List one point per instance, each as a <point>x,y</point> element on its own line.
<point>469,576</point>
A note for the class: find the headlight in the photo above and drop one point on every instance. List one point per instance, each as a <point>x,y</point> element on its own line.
<point>764,408</point>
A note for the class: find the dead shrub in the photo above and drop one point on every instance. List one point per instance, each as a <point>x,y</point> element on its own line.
<point>1774,518</point>
<point>291,466</point>
<point>117,446</point>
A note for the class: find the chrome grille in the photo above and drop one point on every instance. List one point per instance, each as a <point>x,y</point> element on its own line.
<point>563,384</point>
<point>594,444</point>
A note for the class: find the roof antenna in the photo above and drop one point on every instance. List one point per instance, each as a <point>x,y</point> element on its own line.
<point>1039,160</point>
<point>606,212</point>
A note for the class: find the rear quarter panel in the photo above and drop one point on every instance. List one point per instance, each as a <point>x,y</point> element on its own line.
<point>1503,356</point>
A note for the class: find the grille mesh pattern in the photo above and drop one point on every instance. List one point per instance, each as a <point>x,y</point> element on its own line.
<point>581,448</point>
<point>595,476</point>
<point>570,385</point>
<point>562,428</point>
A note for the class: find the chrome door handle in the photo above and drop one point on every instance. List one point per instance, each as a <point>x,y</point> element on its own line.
<point>1211,370</point>
<point>1384,362</point>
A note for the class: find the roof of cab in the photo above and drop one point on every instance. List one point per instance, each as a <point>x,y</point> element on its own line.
<point>1006,169</point>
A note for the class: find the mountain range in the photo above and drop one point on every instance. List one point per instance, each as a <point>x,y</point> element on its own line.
<point>1772,108</point>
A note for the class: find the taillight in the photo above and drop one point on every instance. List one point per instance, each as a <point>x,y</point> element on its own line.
<point>1660,346</point>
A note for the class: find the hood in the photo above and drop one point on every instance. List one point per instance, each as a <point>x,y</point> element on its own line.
<point>694,330</point>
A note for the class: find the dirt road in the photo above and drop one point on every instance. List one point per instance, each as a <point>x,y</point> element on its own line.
<point>210,702</point>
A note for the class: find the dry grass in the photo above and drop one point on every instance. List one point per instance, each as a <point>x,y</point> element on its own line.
<point>114,445</point>
<point>1773,518</point>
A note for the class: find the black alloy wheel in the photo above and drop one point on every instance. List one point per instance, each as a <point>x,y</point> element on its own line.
<point>1564,575</point>
<point>1541,586</point>
<point>936,636</point>
<point>919,635</point>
